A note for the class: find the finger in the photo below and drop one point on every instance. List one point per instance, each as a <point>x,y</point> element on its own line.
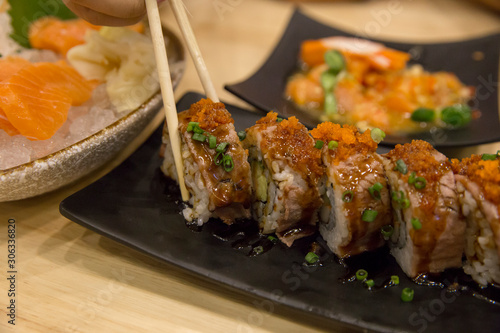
<point>97,18</point>
<point>121,9</point>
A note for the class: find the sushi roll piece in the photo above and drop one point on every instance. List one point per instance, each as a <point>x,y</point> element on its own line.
<point>357,201</point>
<point>478,184</point>
<point>429,229</point>
<point>286,170</point>
<point>216,168</point>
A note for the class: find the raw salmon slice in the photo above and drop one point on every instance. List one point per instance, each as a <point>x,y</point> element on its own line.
<point>51,33</point>
<point>11,65</point>
<point>36,99</point>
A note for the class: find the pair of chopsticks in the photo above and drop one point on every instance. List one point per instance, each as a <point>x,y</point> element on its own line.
<point>167,89</point>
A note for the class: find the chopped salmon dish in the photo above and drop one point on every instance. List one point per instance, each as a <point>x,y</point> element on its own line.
<point>363,83</point>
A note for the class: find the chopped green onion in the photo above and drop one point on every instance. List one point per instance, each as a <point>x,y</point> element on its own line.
<point>401,166</point>
<point>456,115</point>
<point>258,249</point>
<point>221,147</point>
<point>197,129</point>
<point>319,144</point>
<point>312,258</point>
<point>279,119</point>
<point>272,239</point>
<point>395,279</point>
<point>219,158</point>
<point>227,163</point>
<point>242,135</point>
<point>420,183</point>
<point>335,61</point>
<point>370,283</point>
<point>330,103</point>
<point>328,80</point>
<point>489,157</point>
<point>212,142</point>
<point>407,295</point>
<point>412,178</point>
<point>423,115</point>
<point>199,137</point>
<point>369,215</point>
<point>361,274</point>
<point>387,231</point>
<point>333,144</point>
<point>377,135</point>
<point>347,196</point>
<point>191,125</point>
<point>405,203</point>
<point>399,198</point>
<point>375,190</point>
<point>416,224</point>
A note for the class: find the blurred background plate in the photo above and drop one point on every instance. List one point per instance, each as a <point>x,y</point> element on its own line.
<point>265,88</point>
<point>80,159</point>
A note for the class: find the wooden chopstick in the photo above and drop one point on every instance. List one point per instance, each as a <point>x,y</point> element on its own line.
<point>187,32</point>
<point>167,91</point>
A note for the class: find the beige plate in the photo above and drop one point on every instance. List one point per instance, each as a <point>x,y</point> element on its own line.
<point>80,159</point>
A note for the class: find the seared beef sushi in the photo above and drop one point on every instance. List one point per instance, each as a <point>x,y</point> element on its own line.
<point>286,170</point>
<point>216,168</point>
<point>357,203</point>
<point>478,184</point>
<point>429,229</point>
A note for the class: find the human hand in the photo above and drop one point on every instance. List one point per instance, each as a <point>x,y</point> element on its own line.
<point>109,12</point>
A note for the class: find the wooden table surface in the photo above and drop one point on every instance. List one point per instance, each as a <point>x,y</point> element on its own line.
<point>71,279</point>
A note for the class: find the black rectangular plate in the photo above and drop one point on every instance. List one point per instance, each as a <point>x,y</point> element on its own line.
<point>265,88</point>
<point>137,206</point>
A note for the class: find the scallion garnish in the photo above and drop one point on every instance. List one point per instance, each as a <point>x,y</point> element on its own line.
<point>387,231</point>
<point>407,295</point>
<point>377,135</point>
<point>423,115</point>
<point>412,178</point>
<point>328,80</point>
<point>278,119</point>
<point>401,166</point>
<point>395,279</point>
<point>361,274</point>
<point>312,258</point>
<point>420,183</point>
<point>335,61</point>
<point>212,142</point>
<point>227,163</point>
<point>370,283</point>
<point>489,157</point>
<point>199,137</point>
<point>198,129</point>
<point>272,239</point>
<point>219,157</point>
<point>347,196</point>
<point>319,144</point>
<point>330,103</point>
<point>375,190</point>
<point>456,115</point>
<point>399,198</point>
<point>333,144</point>
<point>191,125</point>
<point>221,147</point>
<point>258,249</point>
<point>369,215</point>
<point>416,224</point>
<point>242,135</point>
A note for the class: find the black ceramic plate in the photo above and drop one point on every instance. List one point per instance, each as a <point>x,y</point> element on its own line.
<point>137,206</point>
<point>265,89</point>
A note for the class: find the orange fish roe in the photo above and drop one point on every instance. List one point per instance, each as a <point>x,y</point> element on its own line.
<point>290,139</point>
<point>420,157</point>
<point>486,174</point>
<point>350,140</point>
<point>209,114</point>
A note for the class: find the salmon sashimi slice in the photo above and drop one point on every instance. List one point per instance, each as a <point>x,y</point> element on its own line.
<point>62,77</point>
<point>11,65</point>
<point>36,100</point>
<point>51,33</point>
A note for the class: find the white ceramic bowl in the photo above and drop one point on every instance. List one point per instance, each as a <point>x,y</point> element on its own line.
<point>71,163</point>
